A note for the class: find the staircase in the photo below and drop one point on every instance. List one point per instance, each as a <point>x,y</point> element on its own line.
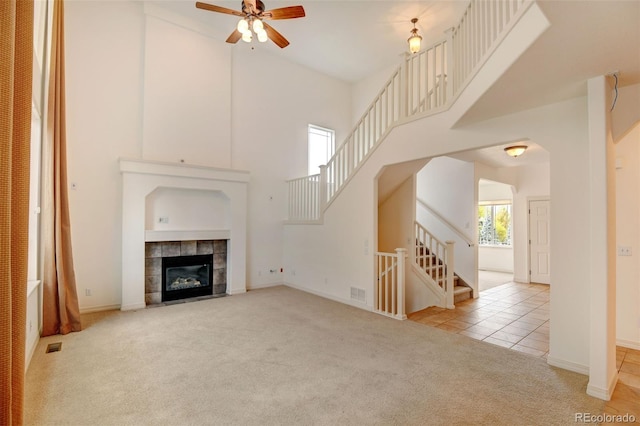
<point>434,267</point>
<point>425,83</point>
<point>433,261</point>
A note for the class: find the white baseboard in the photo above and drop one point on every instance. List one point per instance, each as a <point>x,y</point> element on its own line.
<point>349,302</point>
<point>132,307</point>
<point>629,344</point>
<point>31,346</point>
<point>259,286</point>
<point>602,393</point>
<point>568,365</point>
<point>91,309</point>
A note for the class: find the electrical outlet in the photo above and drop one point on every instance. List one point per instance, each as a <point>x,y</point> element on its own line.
<point>624,251</point>
<point>87,292</point>
<point>163,219</point>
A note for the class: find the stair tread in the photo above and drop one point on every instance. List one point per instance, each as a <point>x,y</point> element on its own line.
<point>459,289</point>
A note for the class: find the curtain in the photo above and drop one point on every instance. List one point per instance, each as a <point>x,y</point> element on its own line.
<point>16,62</point>
<point>60,311</point>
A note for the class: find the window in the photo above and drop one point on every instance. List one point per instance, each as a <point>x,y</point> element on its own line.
<point>321,147</point>
<point>494,224</point>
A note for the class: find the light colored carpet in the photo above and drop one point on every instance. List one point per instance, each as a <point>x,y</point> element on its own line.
<point>282,356</point>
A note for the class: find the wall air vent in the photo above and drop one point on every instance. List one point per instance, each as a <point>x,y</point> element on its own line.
<point>358,294</point>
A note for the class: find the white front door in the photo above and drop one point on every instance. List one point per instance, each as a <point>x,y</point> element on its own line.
<point>539,241</point>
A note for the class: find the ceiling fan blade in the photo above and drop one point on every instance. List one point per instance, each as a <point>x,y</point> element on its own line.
<point>234,37</point>
<point>219,9</point>
<point>289,12</point>
<point>275,36</point>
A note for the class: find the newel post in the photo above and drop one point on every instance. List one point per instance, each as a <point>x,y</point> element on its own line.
<point>322,192</point>
<point>401,254</point>
<point>450,274</point>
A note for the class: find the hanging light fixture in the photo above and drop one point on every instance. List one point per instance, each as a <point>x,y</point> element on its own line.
<point>245,25</point>
<point>415,39</point>
<point>515,150</point>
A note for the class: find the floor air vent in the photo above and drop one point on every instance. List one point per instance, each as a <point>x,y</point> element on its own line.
<point>54,347</point>
<point>358,294</point>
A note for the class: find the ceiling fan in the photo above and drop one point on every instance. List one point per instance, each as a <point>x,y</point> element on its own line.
<point>253,16</point>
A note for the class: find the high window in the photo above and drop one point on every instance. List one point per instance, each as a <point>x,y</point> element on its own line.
<point>321,147</point>
<point>494,224</point>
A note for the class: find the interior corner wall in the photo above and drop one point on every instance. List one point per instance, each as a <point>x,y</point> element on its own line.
<point>628,236</point>
<point>104,70</point>
<point>447,185</point>
<point>273,103</point>
<point>395,218</point>
<point>263,128</point>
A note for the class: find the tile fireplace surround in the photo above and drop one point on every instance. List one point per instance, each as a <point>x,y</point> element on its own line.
<point>139,179</point>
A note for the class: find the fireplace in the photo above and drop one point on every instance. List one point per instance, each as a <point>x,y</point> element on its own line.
<point>185,269</point>
<point>187,276</point>
<point>146,238</point>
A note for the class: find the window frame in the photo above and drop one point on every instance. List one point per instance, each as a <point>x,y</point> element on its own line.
<point>327,133</point>
<point>493,204</point>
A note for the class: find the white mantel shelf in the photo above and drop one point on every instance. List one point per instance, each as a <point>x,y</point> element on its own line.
<point>182,170</point>
<point>157,236</point>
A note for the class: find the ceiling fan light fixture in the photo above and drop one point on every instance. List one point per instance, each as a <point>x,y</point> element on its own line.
<point>262,36</point>
<point>415,38</point>
<point>258,26</point>
<point>246,37</point>
<point>515,150</point>
<point>243,26</point>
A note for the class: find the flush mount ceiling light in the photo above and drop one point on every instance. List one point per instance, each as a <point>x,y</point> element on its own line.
<point>515,150</point>
<point>415,39</point>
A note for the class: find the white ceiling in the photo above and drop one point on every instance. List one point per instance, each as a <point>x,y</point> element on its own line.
<point>348,39</point>
<point>352,39</point>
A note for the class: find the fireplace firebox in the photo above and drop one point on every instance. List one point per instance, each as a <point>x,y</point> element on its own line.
<point>187,276</point>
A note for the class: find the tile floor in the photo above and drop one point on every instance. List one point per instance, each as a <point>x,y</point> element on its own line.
<point>516,316</point>
<point>513,315</point>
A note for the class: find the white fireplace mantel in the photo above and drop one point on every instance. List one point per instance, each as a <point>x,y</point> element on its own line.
<point>139,179</point>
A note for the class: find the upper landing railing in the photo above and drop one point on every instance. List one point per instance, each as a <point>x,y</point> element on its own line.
<point>425,83</point>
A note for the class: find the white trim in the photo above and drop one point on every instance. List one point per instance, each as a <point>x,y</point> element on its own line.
<point>32,285</point>
<point>182,170</point>
<point>349,302</point>
<point>568,365</point>
<point>261,286</point>
<point>451,226</point>
<point>131,307</point>
<point>102,308</point>
<point>629,344</point>
<point>603,393</point>
<point>156,236</point>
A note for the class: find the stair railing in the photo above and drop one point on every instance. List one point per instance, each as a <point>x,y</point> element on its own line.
<point>436,258</point>
<point>478,32</point>
<point>389,296</point>
<point>424,83</point>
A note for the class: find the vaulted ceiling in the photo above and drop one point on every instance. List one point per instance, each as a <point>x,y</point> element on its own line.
<point>353,39</point>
